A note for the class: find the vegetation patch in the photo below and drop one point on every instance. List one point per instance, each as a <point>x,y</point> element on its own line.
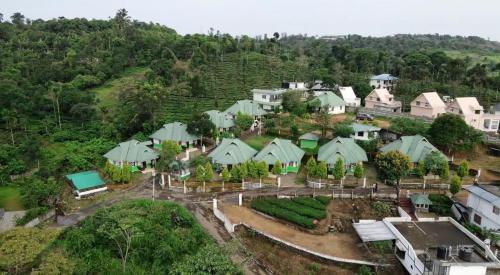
<point>441,204</point>
<point>10,198</point>
<point>259,142</point>
<point>302,211</point>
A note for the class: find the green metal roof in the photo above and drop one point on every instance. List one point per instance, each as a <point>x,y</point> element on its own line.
<point>358,127</point>
<point>416,147</point>
<point>247,107</point>
<point>345,148</point>
<point>309,136</point>
<point>280,149</point>
<point>174,131</point>
<point>132,151</point>
<point>220,119</point>
<point>86,180</point>
<point>329,99</point>
<point>420,199</point>
<point>232,151</point>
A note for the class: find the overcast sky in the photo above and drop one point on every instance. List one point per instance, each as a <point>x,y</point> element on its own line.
<point>314,17</point>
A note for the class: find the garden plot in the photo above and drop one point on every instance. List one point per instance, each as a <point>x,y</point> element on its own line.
<point>302,211</point>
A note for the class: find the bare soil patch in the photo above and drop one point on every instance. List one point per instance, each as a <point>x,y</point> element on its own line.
<point>344,245</point>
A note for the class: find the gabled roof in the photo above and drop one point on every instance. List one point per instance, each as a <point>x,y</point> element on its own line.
<point>347,93</point>
<point>269,91</point>
<point>434,100</point>
<point>468,105</point>
<point>416,147</point>
<point>358,127</point>
<point>219,119</point>
<point>329,99</point>
<point>247,107</point>
<point>232,151</point>
<point>86,180</point>
<point>131,151</point>
<point>383,94</point>
<point>280,149</point>
<point>420,199</point>
<point>174,131</point>
<point>489,193</point>
<point>383,77</point>
<point>345,148</point>
<point>309,136</point>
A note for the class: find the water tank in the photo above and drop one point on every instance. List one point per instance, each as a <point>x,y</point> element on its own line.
<point>442,253</point>
<point>465,254</point>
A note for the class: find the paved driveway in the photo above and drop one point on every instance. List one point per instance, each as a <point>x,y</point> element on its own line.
<point>8,221</point>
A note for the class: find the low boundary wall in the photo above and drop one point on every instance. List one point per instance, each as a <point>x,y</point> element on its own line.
<point>230,227</point>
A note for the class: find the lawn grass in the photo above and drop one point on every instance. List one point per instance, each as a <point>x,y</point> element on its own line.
<point>107,94</point>
<point>10,198</point>
<point>259,142</point>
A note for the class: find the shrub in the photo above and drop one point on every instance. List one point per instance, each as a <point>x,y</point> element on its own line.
<point>382,247</point>
<point>264,206</point>
<point>441,204</point>
<point>299,208</point>
<point>309,202</point>
<point>31,214</point>
<point>323,199</point>
<point>381,208</point>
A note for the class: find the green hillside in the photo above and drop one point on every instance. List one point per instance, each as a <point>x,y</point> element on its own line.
<point>232,79</point>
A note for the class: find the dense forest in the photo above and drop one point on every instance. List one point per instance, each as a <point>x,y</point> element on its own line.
<point>54,122</point>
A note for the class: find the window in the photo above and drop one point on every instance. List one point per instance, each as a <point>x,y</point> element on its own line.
<point>486,123</point>
<point>264,96</point>
<point>360,134</point>
<point>390,98</point>
<point>494,124</point>
<point>417,103</point>
<point>477,112</point>
<point>496,210</point>
<point>378,98</point>
<point>477,219</point>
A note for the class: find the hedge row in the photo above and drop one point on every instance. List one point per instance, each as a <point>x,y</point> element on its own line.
<point>324,199</point>
<point>310,202</point>
<point>268,208</point>
<point>298,208</point>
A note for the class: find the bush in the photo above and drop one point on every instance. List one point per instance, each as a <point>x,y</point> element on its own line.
<point>382,247</point>
<point>381,208</point>
<point>441,204</point>
<point>31,214</point>
<point>323,199</point>
<point>299,208</point>
<point>266,207</point>
<point>310,202</point>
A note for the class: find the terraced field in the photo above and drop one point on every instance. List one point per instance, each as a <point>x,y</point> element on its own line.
<point>232,79</point>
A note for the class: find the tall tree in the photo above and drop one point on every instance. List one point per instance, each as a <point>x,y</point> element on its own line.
<point>200,125</point>
<point>450,132</point>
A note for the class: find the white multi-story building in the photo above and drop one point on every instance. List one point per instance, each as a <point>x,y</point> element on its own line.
<point>383,81</point>
<point>483,204</point>
<point>268,99</point>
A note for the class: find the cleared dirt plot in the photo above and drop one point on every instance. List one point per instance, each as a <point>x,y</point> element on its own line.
<point>281,260</point>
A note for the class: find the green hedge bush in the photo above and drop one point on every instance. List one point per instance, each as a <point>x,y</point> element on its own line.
<point>268,208</point>
<point>299,208</point>
<point>323,199</point>
<point>310,202</point>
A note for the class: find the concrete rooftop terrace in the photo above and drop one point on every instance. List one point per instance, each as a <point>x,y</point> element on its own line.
<point>423,235</point>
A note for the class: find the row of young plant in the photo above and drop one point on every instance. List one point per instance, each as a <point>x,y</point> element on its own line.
<point>266,207</point>
<point>298,208</point>
<point>301,211</point>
